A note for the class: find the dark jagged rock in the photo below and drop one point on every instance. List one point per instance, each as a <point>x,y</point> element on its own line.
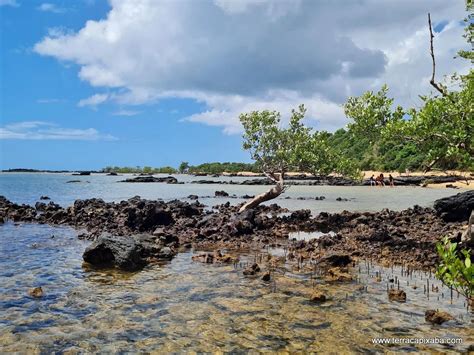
<point>437,317</point>
<point>127,253</point>
<point>408,236</point>
<point>147,178</point>
<point>36,292</point>
<point>252,270</point>
<point>221,193</point>
<point>397,295</point>
<point>44,198</point>
<point>336,259</point>
<point>317,297</point>
<point>455,208</point>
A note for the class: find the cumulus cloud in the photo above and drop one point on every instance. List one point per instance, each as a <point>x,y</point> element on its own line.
<point>242,55</point>
<point>39,130</point>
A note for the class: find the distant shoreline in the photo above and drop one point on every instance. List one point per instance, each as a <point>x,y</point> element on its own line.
<point>433,179</point>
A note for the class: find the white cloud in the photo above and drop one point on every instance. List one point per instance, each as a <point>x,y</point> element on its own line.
<point>235,56</point>
<point>126,113</point>
<point>48,7</point>
<point>12,3</point>
<point>39,130</point>
<point>93,100</point>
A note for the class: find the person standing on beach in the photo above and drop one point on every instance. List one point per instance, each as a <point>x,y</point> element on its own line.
<point>390,179</point>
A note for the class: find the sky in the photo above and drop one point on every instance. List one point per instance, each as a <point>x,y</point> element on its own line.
<point>92,83</point>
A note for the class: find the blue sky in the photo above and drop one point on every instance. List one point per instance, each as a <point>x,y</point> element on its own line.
<point>86,84</point>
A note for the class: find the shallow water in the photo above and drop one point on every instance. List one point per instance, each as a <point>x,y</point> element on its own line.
<point>302,235</point>
<point>183,305</point>
<point>28,187</point>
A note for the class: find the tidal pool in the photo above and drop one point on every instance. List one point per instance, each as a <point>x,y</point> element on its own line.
<point>188,306</point>
<point>303,235</point>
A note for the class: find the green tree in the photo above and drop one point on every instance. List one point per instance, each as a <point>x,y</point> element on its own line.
<point>443,128</point>
<point>183,167</point>
<point>370,113</point>
<point>456,270</point>
<point>278,150</point>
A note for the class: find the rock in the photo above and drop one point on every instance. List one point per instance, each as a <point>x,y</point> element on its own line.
<point>193,197</point>
<point>44,198</point>
<point>455,208</point>
<point>36,292</point>
<point>167,179</point>
<point>207,258</point>
<point>336,259</point>
<point>126,253</point>
<point>112,173</point>
<point>82,173</point>
<point>338,274</point>
<point>160,231</point>
<point>215,258</point>
<point>317,297</point>
<point>266,277</point>
<point>437,317</point>
<point>397,295</point>
<point>252,270</point>
<point>221,193</point>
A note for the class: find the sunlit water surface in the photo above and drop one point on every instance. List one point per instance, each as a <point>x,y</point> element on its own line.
<point>184,305</point>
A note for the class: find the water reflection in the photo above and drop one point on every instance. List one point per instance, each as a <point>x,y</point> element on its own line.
<point>188,306</point>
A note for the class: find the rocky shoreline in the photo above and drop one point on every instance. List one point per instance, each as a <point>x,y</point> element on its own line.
<point>305,180</point>
<point>140,230</point>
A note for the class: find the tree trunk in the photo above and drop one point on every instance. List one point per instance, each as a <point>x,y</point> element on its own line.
<point>274,192</point>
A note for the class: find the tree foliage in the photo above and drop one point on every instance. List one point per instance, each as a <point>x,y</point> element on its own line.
<point>439,134</point>
<point>455,269</point>
<point>278,149</point>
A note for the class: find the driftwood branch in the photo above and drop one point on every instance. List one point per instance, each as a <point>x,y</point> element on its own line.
<point>274,192</point>
<point>433,83</point>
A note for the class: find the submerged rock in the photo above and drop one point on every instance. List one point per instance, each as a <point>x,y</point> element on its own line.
<point>397,295</point>
<point>437,317</point>
<point>126,253</point>
<point>455,208</point>
<point>338,274</point>
<point>215,258</point>
<point>317,297</point>
<point>36,292</point>
<point>252,270</point>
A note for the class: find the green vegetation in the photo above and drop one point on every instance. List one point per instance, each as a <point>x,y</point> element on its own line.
<point>218,168</point>
<point>185,168</point>
<point>454,270</point>
<point>278,149</point>
<point>139,170</point>
<point>440,134</point>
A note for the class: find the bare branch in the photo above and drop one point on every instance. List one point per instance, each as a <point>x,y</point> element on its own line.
<point>432,81</point>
